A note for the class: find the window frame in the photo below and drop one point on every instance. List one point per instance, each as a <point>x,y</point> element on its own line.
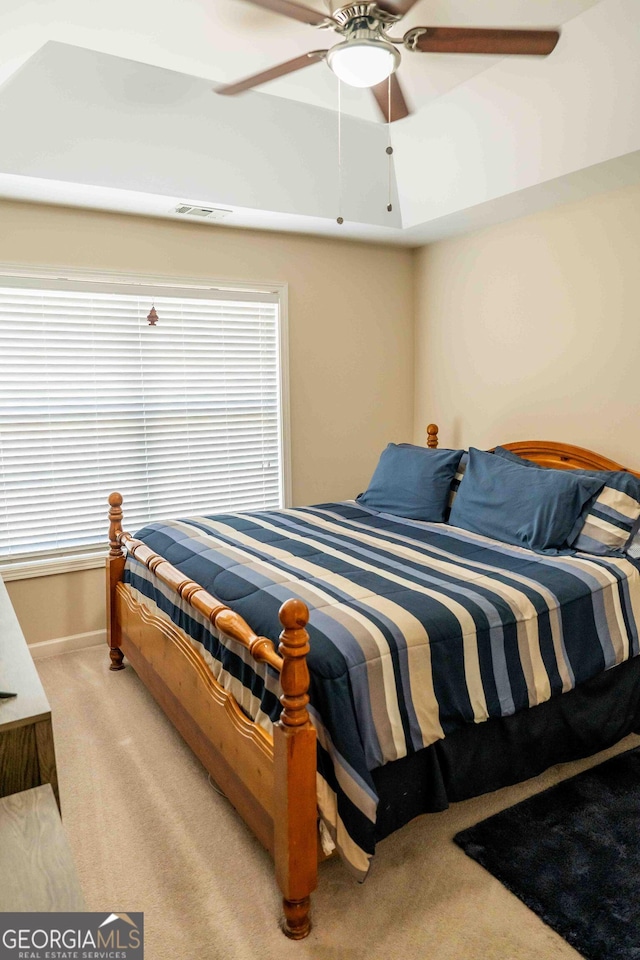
<point>89,560</point>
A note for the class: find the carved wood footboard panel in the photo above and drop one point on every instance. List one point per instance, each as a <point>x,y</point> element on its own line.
<point>237,753</point>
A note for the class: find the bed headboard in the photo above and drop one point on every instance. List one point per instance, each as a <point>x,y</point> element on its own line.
<point>561,456</point>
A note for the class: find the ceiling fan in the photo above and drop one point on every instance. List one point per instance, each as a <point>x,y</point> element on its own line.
<point>367,56</point>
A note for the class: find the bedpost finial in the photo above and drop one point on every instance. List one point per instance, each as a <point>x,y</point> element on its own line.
<point>294,677</point>
<point>294,614</point>
<point>115,524</point>
<point>432,435</point>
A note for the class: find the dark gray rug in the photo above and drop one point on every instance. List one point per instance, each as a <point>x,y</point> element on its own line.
<point>572,854</point>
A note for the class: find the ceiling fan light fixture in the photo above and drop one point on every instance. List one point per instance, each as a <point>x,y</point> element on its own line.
<point>363,63</point>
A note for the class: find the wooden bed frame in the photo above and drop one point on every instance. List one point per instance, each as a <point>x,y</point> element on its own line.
<point>271,781</point>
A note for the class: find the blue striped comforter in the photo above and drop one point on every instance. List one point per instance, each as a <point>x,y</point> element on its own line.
<point>416,629</point>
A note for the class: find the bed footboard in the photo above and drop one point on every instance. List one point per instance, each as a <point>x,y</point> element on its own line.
<point>272,783</point>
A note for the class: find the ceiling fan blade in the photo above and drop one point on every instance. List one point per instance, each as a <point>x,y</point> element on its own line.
<point>472,40</point>
<point>306,60</point>
<point>399,108</point>
<point>294,10</point>
<point>397,6</point>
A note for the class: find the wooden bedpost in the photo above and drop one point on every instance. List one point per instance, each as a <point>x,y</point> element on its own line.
<point>432,435</point>
<point>115,566</point>
<point>295,827</point>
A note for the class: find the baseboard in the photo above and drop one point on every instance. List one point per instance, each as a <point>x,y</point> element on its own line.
<point>51,648</point>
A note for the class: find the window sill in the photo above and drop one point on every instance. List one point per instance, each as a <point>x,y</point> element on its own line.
<point>29,569</point>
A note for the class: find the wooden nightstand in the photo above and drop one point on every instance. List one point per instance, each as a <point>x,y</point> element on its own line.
<point>27,755</point>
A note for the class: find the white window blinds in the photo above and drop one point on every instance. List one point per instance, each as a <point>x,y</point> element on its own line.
<point>182,418</point>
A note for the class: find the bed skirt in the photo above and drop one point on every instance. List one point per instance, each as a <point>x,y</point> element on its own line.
<point>480,758</point>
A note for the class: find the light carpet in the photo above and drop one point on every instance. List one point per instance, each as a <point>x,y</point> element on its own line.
<point>149,833</point>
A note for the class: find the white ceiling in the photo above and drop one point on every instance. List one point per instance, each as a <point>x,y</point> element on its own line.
<point>484,128</point>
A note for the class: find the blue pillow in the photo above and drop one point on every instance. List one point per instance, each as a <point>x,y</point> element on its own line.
<point>607,525</point>
<point>412,482</point>
<point>538,510</point>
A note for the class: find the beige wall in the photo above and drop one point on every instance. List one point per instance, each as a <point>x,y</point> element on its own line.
<point>350,344</point>
<point>531,330</point>
<point>63,605</point>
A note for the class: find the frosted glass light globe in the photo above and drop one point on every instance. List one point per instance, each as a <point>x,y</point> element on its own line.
<point>363,63</point>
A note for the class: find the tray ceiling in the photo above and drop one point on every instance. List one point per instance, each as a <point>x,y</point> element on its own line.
<point>484,128</point>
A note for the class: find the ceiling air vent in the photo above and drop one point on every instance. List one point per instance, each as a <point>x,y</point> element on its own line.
<point>203,213</point>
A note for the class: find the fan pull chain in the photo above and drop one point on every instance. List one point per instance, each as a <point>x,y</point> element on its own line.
<point>389,147</point>
<point>340,218</point>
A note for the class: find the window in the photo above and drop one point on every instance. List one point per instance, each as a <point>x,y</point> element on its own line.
<point>183,418</point>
